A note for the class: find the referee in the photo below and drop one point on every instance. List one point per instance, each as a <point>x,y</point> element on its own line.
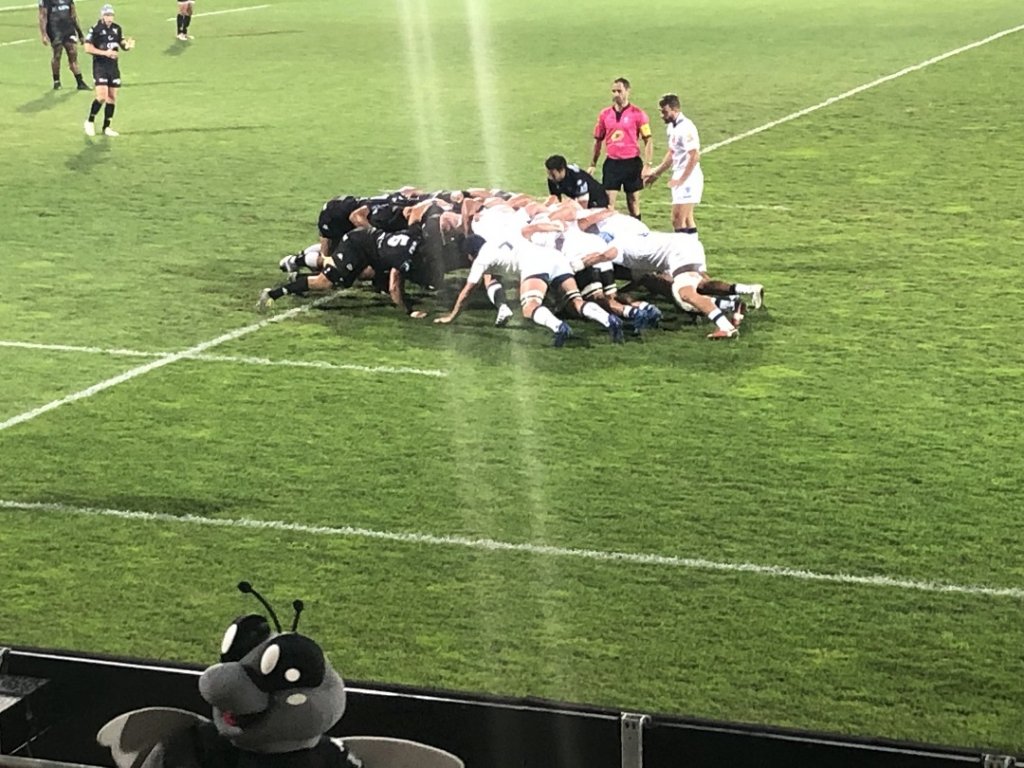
<point>618,128</point>
<point>105,41</point>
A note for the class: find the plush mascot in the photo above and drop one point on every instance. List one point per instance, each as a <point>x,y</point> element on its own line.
<point>274,697</point>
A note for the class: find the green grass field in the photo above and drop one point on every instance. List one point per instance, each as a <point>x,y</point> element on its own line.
<point>816,526</point>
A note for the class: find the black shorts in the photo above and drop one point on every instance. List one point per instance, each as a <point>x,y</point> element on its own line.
<point>106,72</point>
<point>61,35</point>
<point>623,174</point>
<point>343,269</point>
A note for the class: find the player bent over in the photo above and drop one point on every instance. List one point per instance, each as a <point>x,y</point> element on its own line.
<point>361,253</point>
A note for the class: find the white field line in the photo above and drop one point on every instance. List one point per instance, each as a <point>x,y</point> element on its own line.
<point>16,42</point>
<point>240,359</point>
<point>229,10</point>
<point>158,363</point>
<point>540,550</point>
<point>862,88</point>
<point>18,7</point>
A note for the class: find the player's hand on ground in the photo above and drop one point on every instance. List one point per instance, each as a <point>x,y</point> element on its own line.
<point>417,314</point>
<point>444,319</point>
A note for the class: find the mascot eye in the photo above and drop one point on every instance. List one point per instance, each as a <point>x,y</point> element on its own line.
<point>246,633</point>
<point>291,661</point>
<point>229,638</point>
<point>270,658</point>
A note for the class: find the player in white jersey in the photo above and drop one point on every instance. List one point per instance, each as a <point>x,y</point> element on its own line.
<point>679,255</point>
<point>537,267</point>
<point>683,157</point>
<point>596,283</point>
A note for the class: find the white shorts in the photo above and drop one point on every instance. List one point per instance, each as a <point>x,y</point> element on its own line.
<point>691,191</point>
<point>537,260</point>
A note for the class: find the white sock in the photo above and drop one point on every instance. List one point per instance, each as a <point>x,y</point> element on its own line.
<point>595,313</point>
<point>311,258</point>
<point>544,316</point>
<point>747,287</point>
<point>719,319</point>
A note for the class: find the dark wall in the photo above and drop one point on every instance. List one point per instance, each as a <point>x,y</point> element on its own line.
<point>84,692</point>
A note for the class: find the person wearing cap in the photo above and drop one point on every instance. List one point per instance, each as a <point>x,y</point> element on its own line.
<point>59,29</point>
<point>184,19</point>
<point>105,41</point>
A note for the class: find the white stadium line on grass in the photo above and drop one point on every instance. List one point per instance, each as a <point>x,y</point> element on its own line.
<point>229,10</point>
<point>158,363</point>
<point>862,88</point>
<point>494,545</point>
<point>241,359</point>
<point>16,42</point>
<point>18,7</point>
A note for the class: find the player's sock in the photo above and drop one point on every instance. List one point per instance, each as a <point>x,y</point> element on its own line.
<point>181,23</point>
<point>311,258</point>
<point>185,22</point>
<point>718,318</point>
<point>593,312</point>
<point>690,230</point>
<point>108,115</point>
<point>296,286</point>
<point>496,293</point>
<point>637,216</point>
<point>629,312</point>
<point>743,288</point>
<point>94,109</point>
<point>544,316</point>
<point>79,79</point>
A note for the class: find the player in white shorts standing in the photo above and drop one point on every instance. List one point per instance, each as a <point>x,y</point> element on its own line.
<point>184,18</point>
<point>683,157</point>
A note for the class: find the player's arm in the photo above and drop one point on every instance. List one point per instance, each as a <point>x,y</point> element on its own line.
<point>90,48</point>
<point>599,214</point>
<point>78,26</point>
<point>597,257</point>
<point>542,226</point>
<point>44,17</point>
<point>692,158</point>
<point>666,162</point>
<point>596,156</point>
<point>396,289</point>
<point>360,217</point>
<point>457,306</point>
<point>469,208</point>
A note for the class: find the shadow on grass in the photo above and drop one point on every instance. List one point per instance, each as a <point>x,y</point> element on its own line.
<point>210,129</point>
<point>93,153</point>
<point>48,100</point>
<point>261,33</point>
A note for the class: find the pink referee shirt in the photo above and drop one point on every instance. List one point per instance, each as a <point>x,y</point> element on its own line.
<point>620,132</point>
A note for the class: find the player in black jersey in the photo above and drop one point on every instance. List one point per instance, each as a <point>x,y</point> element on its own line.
<point>565,180</point>
<point>105,41</point>
<point>59,29</point>
<point>387,258</point>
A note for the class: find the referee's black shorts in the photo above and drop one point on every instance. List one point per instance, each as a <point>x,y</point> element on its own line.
<point>623,174</point>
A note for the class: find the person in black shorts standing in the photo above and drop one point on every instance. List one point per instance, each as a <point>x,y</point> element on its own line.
<point>567,180</point>
<point>105,41</point>
<point>59,29</point>
<point>184,19</point>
